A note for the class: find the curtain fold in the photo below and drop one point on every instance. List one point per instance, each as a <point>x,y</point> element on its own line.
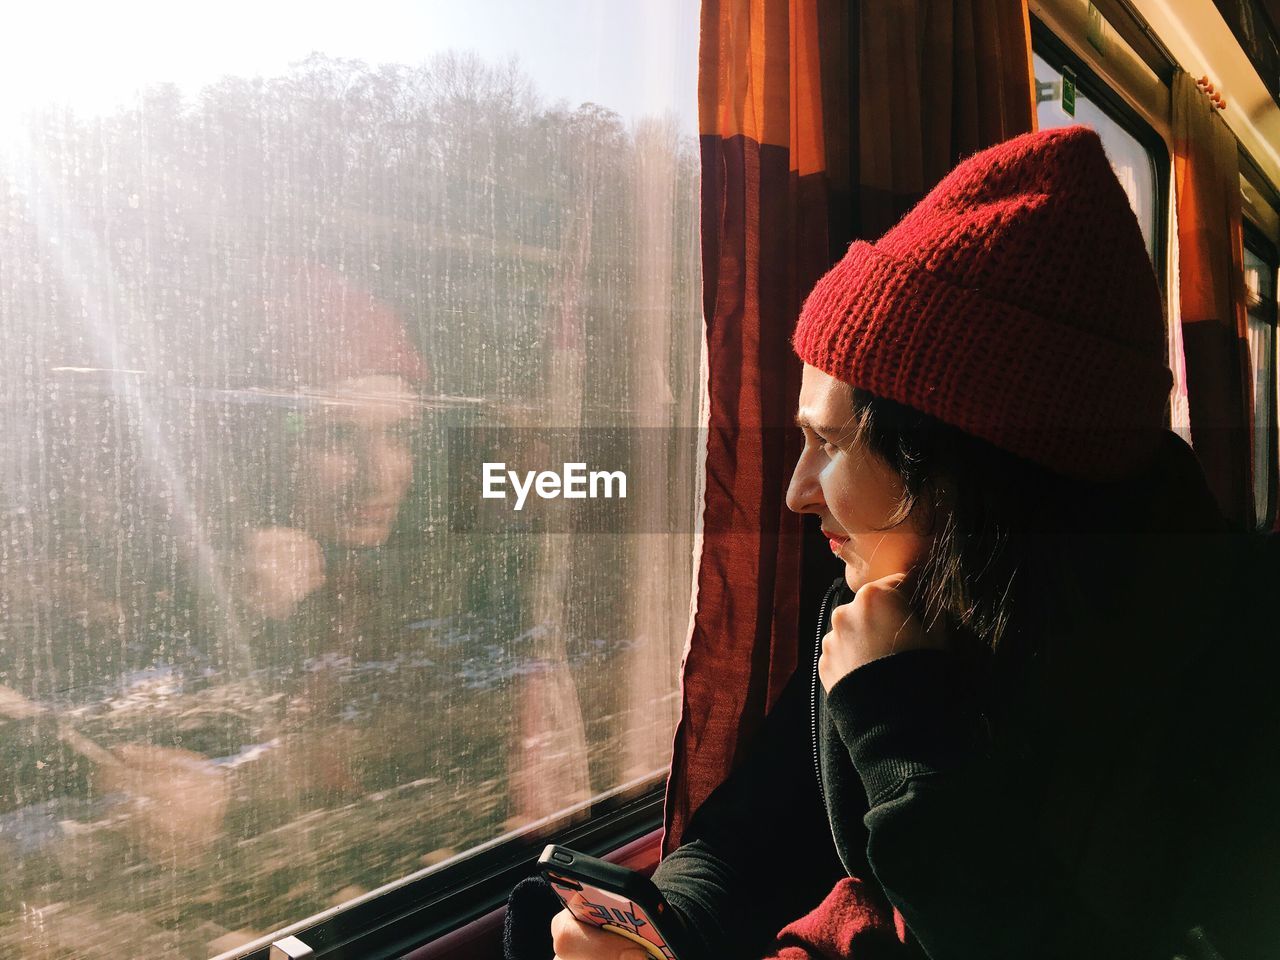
<point>937,82</point>
<point>1212,297</point>
<point>760,107</point>
<point>821,122</point>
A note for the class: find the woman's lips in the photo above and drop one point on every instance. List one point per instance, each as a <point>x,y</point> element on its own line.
<point>836,541</point>
<point>375,514</point>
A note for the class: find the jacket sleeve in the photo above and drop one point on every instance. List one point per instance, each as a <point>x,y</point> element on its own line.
<point>950,837</point>
<point>758,852</point>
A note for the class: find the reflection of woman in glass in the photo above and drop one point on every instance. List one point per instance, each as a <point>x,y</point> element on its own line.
<point>335,400</point>
<point>117,617</point>
<point>341,362</point>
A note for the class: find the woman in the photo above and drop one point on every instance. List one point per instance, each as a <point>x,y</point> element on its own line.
<point>336,398</point>
<point>1023,731</point>
<point>342,362</point>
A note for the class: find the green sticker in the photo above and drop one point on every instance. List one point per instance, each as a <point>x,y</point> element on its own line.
<point>1068,95</point>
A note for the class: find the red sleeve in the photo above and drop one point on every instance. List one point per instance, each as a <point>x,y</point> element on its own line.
<point>854,922</point>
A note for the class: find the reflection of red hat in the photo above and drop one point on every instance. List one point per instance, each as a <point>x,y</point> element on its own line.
<point>323,328</point>
<point>1015,302</point>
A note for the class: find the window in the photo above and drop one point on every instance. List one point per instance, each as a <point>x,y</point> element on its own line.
<point>1140,161</point>
<point>252,663</point>
<point>1260,281</point>
<point>1131,160</point>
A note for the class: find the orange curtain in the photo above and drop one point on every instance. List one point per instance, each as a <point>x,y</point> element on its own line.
<point>764,242</point>
<point>937,82</point>
<point>821,122</point>
<point>1213,297</point>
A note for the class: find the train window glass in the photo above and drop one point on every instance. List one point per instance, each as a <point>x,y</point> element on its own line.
<point>1260,278</point>
<point>1132,162</point>
<point>257,655</point>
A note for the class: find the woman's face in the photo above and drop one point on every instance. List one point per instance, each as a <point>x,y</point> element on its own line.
<point>853,493</point>
<point>357,462</point>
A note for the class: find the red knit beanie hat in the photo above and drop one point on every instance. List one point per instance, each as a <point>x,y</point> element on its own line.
<point>323,327</point>
<point>1016,302</point>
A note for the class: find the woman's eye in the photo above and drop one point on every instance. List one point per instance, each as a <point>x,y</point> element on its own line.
<point>342,434</point>
<point>812,436</point>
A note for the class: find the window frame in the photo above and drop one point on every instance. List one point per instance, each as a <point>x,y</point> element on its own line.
<point>424,906</point>
<point>1256,242</point>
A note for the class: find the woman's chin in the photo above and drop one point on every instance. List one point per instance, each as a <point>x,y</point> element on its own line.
<point>855,575</point>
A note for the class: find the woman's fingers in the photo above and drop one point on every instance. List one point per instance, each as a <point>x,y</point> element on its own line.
<point>283,566</point>
<point>574,940</point>
<point>878,622</point>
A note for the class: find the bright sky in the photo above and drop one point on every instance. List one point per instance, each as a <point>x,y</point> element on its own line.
<point>637,57</point>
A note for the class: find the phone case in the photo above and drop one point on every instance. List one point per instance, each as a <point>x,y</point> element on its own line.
<point>611,897</point>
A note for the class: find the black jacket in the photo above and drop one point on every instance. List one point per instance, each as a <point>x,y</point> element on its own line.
<point>1120,800</point>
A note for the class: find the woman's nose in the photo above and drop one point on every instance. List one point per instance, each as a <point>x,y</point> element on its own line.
<point>384,466</point>
<point>804,493</point>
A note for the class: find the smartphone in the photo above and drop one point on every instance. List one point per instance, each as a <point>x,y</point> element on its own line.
<point>614,898</point>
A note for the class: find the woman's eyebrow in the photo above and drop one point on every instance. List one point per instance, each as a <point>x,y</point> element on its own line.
<point>802,420</point>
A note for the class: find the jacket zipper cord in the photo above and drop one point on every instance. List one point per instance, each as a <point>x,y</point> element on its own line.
<point>813,690</point>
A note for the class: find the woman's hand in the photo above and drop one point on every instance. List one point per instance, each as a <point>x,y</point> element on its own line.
<point>574,940</point>
<point>283,566</point>
<point>878,622</point>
